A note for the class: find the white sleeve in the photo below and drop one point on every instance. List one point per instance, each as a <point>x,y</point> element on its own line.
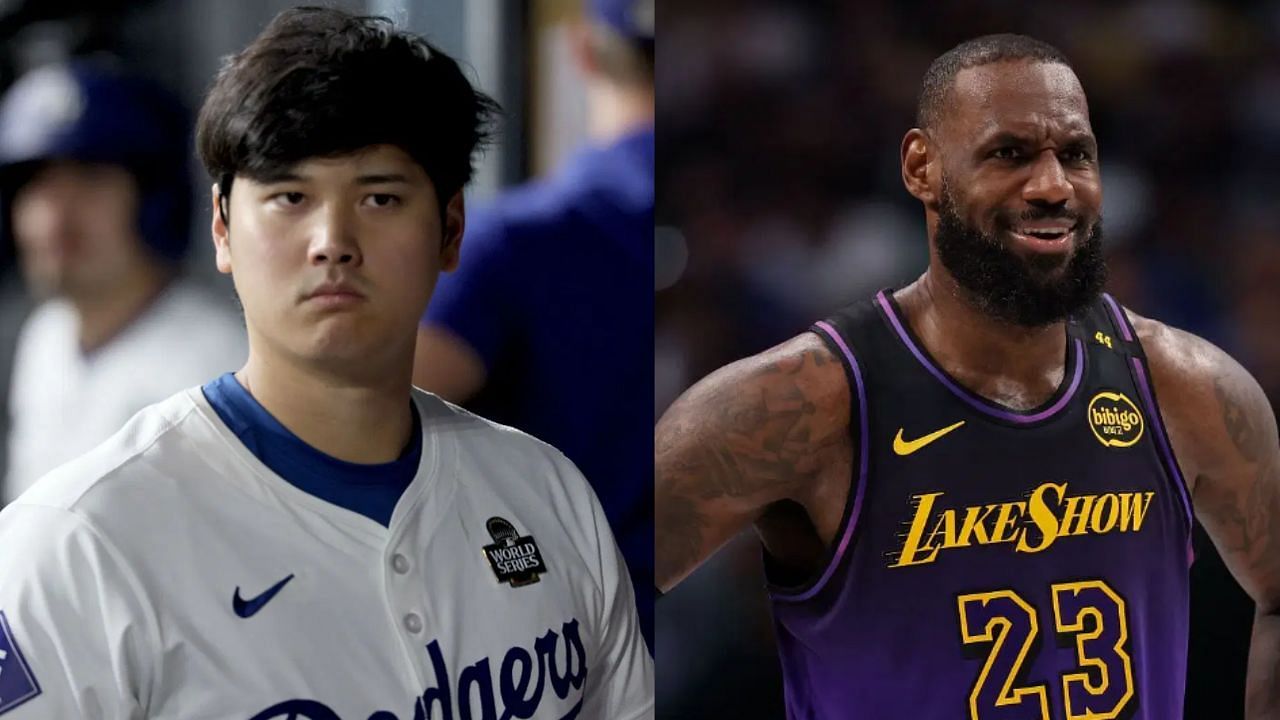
<point>622,689</point>
<point>73,631</point>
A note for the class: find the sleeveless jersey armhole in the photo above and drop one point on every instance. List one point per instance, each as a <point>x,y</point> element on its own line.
<point>1140,370</point>
<point>859,435</point>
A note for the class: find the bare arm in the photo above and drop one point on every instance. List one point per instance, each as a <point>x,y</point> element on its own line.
<point>751,434</point>
<point>1224,431</point>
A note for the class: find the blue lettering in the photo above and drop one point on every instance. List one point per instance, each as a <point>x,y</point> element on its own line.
<point>574,655</point>
<point>439,693</point>
<point>479,676</point>
<point>514,680</point>
<point>297,710</point>
<point>513,686</point>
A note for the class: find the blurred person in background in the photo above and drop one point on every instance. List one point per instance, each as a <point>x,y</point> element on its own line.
<point>547,323</point>
<point>94,190</point>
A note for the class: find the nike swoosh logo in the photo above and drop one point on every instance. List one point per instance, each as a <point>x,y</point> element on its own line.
<point>249,608</point>
<point>906,447</point>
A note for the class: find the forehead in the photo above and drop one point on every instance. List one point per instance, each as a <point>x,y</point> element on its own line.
<point>374,160</point>
<point>1020,96</point>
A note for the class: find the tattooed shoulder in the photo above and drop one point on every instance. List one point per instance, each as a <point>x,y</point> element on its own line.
<point>1224,430</point>
<point>748,435</point>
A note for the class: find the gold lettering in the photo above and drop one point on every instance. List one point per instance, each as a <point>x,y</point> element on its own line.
<point>1006,520</point>
<point>1134,506</point>
<point>946,527</point>
<point>1043,517</point>
<point>1102,507</point>
<point>973,528</point>
<point>911,546</point>
<point>1077,511</point>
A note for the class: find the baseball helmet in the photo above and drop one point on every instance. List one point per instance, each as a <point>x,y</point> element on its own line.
<point>93,111</point>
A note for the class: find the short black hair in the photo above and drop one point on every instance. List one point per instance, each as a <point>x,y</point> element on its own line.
<point>320,82</point>
<point>979,51</point>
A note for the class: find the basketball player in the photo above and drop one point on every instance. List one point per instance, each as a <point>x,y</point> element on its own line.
<point>971,504</point>
<point>308,538</point>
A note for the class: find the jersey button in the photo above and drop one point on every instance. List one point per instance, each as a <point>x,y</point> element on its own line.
<point>400,563</point>
<point>413,623</point>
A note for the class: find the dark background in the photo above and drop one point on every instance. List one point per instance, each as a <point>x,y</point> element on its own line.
<point>780,199</point>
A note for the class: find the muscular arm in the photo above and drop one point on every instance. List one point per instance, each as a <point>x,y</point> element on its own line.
<point>1224,432</point>
<point>754,433</point>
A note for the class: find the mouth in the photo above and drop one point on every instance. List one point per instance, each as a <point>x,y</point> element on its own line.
<point>1053,236</point>
<point>335,295</point>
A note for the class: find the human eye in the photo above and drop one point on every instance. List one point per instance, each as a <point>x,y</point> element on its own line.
<point>1007,152</point>
<point>287,199</point>
<point>382,200</point>
<point>1077,156</point>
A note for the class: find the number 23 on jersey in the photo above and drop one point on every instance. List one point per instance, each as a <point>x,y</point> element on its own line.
<point>1087,614</point>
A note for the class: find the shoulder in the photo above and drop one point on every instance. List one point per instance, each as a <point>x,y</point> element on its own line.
<point>768,416</point>
<point>1207,399</point>
<point>502,454</point>
<point>86,482</point>
<point>802,374</point>
<point>52,322</point>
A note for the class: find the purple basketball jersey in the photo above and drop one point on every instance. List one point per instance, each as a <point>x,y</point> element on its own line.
<point>994,564</point>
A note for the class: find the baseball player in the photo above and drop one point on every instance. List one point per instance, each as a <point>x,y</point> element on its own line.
<point>94,189</point>
<point>310,538</point>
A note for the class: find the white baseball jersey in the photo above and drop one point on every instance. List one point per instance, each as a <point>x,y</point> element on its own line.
<point>170,575</point>
<point>64,402</point>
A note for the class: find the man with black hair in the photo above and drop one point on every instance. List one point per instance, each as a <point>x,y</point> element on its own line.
<point>970,502</point>
<point>310,537</point>
<point>547,325</point>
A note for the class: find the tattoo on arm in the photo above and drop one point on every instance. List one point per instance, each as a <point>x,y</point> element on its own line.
<point>737,441</point>
<point>1239,504</point>
<point>1244,514</point>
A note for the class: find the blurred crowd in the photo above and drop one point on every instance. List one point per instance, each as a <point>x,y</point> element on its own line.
<point>780,199</point>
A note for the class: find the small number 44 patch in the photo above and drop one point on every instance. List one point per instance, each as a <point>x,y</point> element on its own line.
<point>17,682</point>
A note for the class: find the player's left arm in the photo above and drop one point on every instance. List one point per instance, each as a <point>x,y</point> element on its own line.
<point>1223,430</point>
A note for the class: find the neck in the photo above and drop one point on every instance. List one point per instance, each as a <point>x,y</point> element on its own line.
<point>616,111</point>
<point>103,316</point>
<point>1016,366</point>
<point>357,420</point>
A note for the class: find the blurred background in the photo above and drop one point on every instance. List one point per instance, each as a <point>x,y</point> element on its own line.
<point>780,200</point>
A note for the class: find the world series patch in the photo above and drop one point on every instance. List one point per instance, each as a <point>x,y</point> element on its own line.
<point>515,560</point>
<point>17,682</point>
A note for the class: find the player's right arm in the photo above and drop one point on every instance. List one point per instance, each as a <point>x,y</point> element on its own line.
<point>761,431</point>
<point>75,639</point>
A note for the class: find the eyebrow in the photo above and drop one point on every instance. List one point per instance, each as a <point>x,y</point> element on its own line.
<point>382,178</point>
<point>1071,137</point>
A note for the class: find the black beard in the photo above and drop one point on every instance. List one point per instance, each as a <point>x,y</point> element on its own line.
<point>1032,293</point>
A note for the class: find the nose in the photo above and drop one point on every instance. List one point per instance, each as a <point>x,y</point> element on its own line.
<point>333,239</point>
<point>1048,184</point>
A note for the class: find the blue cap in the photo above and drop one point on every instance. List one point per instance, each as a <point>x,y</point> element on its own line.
<point>630,18</point>
<point>93,111</point>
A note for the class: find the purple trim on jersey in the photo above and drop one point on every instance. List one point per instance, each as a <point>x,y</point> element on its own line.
<point>969,397</point>
<point>1162,441</point>
<point>1121,321</point>
<point>863,459</point>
